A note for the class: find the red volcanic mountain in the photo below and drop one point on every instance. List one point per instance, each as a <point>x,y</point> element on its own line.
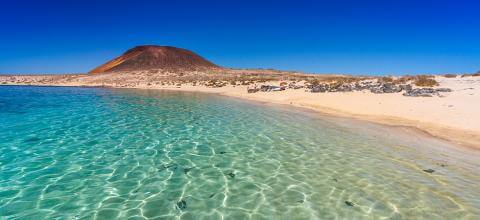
<point>155,57</point>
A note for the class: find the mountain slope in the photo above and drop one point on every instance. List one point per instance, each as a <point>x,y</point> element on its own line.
<point>155,57</point>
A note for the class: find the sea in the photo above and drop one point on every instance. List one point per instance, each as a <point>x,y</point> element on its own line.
<point>99,153</point>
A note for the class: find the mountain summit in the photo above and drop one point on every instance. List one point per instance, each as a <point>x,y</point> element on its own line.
<point>155,57</point>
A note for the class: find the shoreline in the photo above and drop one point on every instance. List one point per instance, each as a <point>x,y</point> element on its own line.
<point>325,104</point>
<point>450,135</point>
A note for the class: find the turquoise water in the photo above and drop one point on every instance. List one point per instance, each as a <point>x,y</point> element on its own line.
<point>86,153</point>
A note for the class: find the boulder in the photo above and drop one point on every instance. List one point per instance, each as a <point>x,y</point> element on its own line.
<point>269,88</point>
<point>443,90</point>
<point>421,92</point>
<point>319,88</point>
<point>391,88</point>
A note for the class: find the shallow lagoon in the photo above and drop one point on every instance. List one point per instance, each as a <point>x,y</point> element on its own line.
<point>105,153</point>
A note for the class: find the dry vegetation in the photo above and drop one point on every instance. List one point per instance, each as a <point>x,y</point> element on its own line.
<point>450,75</point>
<point>425,81</point>
<point>210,78</point>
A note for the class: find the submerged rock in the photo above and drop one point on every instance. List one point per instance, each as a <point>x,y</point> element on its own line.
<point>231,175</point>
<point>349,203</point>
<point>429,171</point>
<point>32,139</point>
<point>181,205</point>
<point>186,170</point>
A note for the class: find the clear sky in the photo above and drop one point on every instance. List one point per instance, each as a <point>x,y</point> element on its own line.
<point>330,36</point>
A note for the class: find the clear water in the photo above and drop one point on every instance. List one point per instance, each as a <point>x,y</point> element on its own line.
<point>85,153</point>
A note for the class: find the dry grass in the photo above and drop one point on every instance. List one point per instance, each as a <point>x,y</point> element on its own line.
<point>425,81</point>
<point>386,79</point>
<point>474,74</point>
<point>403,79</point>
<point>450,75</point>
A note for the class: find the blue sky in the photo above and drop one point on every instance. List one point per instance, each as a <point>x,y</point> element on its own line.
<point>355,37</point>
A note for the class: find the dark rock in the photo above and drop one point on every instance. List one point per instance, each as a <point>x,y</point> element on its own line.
<point>269,88</point>
<point>32,139</point>
<point>391,88</point>
<point>231,175</point>
<point>319,88</point>
<point>407,87</point>
<point>264,88</point>
<point>170,166</point>
<point>429,170</point>
<point>186,170</point>
<point>419,93</point>
<point>385,88</point>
<point>181,205</point>
<point>344,88</point>
<point>443,90</point>
<point>294,86</point>
<point>425,92</point>
<point>367,85</point>
<point>253,90</point>
<point>376,90</point>
<point>349,203</point>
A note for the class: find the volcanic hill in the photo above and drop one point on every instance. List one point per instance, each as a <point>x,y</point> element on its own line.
<point>149,57</point>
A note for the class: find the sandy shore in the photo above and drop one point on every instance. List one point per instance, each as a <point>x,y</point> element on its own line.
<point>454,116</point>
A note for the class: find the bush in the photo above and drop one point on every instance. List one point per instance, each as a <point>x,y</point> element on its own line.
<point>403,79</point>
<point>425,81</point>
<point>314,82</point>
<point>386,79</point>
<point>474,74</point>
<point>450,75</point>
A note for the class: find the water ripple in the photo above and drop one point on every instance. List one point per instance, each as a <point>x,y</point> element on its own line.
<point>89,153</point>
